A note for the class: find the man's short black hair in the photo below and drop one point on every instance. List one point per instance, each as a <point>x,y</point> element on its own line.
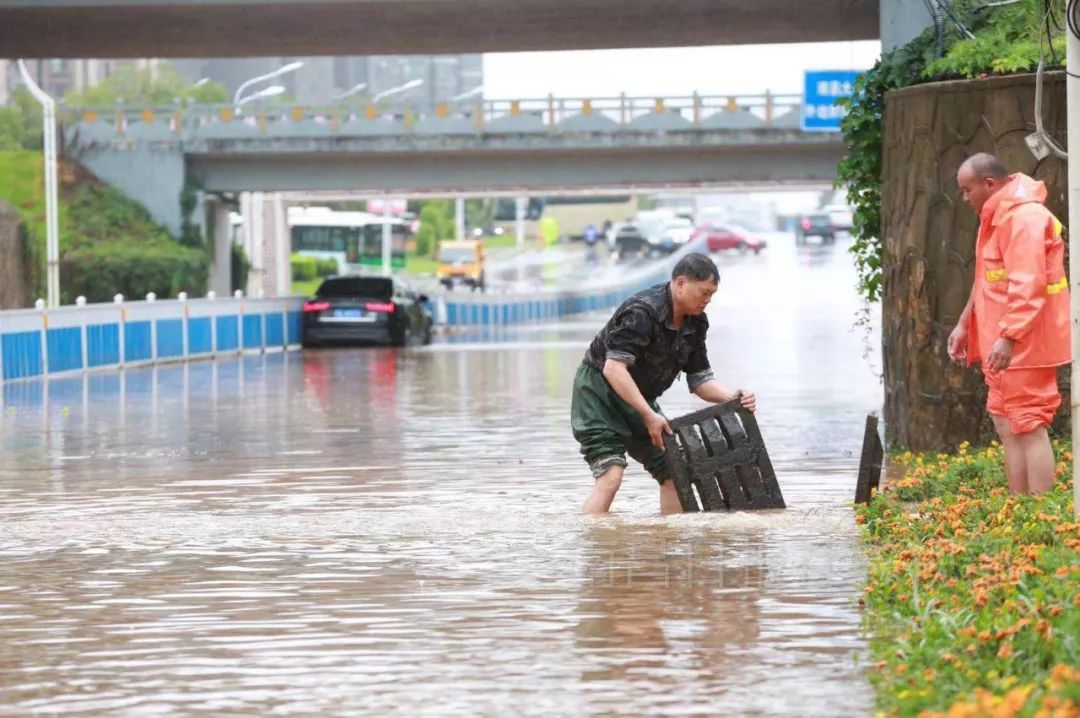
<point>696,267</point>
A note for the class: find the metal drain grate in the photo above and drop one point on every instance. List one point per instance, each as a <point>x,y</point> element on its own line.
<point>717,455</point>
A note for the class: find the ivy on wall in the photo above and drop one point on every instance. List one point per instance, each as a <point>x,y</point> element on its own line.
<point>1006,39</point>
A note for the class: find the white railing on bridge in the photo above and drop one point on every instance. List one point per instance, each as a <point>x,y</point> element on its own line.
<point>517,116</point>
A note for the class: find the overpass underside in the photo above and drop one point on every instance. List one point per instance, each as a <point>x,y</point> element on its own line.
<point>242,28</point>
<point>518,171</point>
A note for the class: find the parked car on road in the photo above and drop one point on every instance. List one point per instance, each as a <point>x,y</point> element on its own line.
<point>841,216</point>
<point>652,232</point>
<point>816,225</point>
<point>677,232</point>
<point>365,310</point>
<point>720,237</point>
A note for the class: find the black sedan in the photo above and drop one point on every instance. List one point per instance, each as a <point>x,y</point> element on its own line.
<point>365,310</point>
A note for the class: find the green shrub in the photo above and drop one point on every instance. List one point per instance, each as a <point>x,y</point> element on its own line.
<point>241,267</point>
<point>303,268</point>
<point>101,270</point>
<point>325,267</point>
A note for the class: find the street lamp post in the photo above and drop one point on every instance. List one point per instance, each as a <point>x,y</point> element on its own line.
<point>397,90</point>
<point>350,92</point>
<point>52,223</point>
<point>291,67</point>
<point>272,91</point>
<point>479,90</point>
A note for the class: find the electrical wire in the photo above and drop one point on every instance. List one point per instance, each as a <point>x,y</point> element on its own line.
<point>1049,36</point>
<point>944,5</point>
<point>1074,27</point>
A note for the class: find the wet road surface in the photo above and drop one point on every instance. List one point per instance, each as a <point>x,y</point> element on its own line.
<point>349,531</point>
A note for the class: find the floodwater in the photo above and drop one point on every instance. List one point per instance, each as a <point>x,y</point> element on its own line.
<point>345,532</point>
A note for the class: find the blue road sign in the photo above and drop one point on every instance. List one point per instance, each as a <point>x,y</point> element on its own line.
<point>822,89</point>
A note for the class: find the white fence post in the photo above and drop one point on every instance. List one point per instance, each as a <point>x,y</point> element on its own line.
<point>118,300</point>
<point>184,347</point>
<point>40,306</point>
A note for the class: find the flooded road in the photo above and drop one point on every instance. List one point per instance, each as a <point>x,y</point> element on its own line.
<point>370,531</point>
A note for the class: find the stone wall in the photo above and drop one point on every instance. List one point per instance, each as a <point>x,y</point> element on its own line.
<point>929,237</point>
<point>14,293</point>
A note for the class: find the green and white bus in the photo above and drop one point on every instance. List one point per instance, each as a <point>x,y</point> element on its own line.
<point>352,239</point>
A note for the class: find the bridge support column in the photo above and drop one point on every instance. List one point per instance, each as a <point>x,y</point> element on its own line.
<point>520,220</point>
<point>459,217</point>
<point>221,269</point>
<point>277,271</point>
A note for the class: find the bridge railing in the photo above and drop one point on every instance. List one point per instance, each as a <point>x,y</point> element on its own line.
<point>513,116</point>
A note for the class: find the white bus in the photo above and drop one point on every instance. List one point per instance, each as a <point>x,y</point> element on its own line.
<point>352,239</point>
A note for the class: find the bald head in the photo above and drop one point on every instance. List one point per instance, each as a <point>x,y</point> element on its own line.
<point>984,165</point>
<point>980,177</point>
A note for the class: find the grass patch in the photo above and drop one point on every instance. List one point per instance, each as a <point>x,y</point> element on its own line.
<point>973,596</point>
<point>500,242</point>
<point>305,287</point>
<point>420,266</point>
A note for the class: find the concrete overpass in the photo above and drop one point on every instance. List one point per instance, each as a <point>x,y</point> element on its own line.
<point>540,146</point>
<point>240,28</point>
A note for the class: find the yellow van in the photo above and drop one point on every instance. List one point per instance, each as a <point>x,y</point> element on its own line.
<point>461,263</point>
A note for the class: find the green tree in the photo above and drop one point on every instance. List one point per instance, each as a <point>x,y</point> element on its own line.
<point>12,129</point>
<point>161,85</point>
<point>31,113</point>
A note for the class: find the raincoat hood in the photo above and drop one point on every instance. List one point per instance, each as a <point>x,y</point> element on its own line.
<point>1020,189</point>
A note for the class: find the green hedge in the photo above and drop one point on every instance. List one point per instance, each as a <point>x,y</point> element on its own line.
<point>100,270</point>
<point>325,267</point>
<point>303,268</point>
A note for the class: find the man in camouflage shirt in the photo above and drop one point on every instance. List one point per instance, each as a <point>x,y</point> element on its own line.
<point>651,338</point>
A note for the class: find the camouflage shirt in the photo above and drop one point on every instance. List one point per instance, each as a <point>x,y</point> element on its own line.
<point>642,334</point>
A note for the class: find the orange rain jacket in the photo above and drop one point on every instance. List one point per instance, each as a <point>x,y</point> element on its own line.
<point>1021,290</point>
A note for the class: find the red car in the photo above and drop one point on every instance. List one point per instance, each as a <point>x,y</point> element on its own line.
<point>719,237</point>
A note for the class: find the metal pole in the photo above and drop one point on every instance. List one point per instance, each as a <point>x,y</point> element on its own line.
<point>292,66</point>
<point>520,217</point>
<point>1072,87</point>
<point>52,222</point>
<point>386,270</point>
<point>459,218</point>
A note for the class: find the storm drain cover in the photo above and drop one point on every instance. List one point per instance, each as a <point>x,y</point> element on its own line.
<point>717,456</point>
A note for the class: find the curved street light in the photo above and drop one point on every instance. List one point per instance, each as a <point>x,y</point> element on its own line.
<point>350,92</point>
<point>272,91</point>
<point>291,67</point>
<point>479,90</point>
<point>396,90</point>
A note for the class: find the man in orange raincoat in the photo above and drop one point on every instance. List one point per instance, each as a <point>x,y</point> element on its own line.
<point>1017,319</point>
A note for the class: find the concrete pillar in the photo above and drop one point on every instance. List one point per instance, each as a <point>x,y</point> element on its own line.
<point>902,21</point>
<point>282,248</point>
<point>251,204</point>
<point>519,207</point>
<point>275,243</point>
<point>221,269</point>
<point>459,217</point>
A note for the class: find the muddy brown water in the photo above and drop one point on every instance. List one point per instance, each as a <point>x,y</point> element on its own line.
<point>344,532</point>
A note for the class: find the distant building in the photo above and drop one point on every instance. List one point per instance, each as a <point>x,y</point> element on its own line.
<point>321,79</point>
<point>58,76</point>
